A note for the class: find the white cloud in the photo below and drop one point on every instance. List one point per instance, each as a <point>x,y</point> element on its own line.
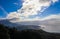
<point>13,15</point>
<point>52,20</point>
<point>16,19</point>
<point>16,3</point>
<point>55,1</point>
<point>51,17</point>
<point>51,23</point>
<point>31,19</point>
<point>30,7</point>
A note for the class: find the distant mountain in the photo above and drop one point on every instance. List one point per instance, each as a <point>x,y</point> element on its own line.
<point>24,27</point>
<point>30,22</point>
<point>20,23</point>
<point>7,22</point>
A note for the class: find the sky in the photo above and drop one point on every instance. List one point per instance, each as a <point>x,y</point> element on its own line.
<point>45,13</point>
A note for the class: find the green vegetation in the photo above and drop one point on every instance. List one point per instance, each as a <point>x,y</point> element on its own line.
<point>13,33</point>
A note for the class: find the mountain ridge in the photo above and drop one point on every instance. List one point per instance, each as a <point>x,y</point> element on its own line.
<point>19,26</point>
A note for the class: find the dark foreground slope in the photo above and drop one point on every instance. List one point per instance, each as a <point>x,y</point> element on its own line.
<point>13,33</point>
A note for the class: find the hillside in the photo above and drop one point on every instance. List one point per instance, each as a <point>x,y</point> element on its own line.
<point>13,33</point>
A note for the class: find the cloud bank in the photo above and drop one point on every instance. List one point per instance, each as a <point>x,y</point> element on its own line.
<point>51,23</point>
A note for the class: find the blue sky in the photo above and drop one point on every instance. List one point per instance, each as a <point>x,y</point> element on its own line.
<point>9,6</point>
